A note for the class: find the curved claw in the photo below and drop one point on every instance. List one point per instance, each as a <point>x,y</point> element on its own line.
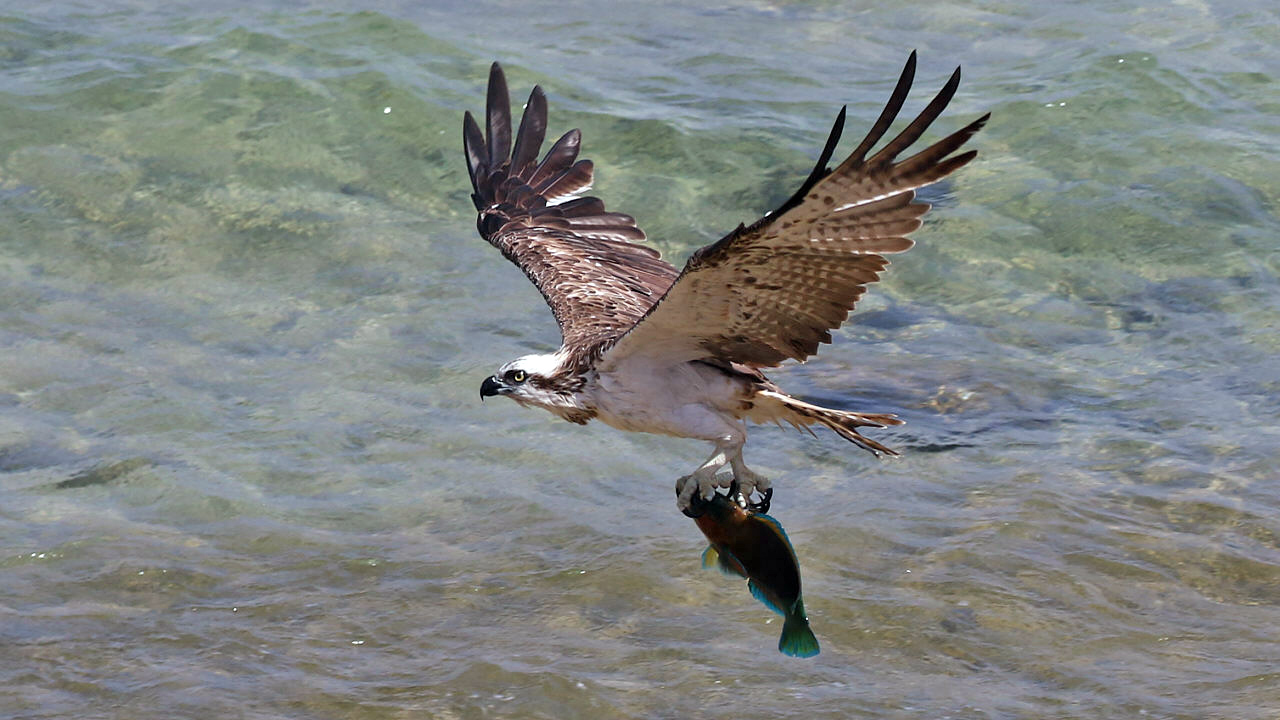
<point>692,505</point>
<point>762,507</point>
<point>735,494</point>
<point>697,507</point>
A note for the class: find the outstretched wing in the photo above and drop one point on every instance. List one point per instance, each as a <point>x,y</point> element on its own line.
<point>775,290</point>
<point>582,259</point>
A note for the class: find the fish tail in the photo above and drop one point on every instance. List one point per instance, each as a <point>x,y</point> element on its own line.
<point>797,638</point>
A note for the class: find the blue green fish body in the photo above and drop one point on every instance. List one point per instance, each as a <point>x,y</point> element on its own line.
<point>754,546</point>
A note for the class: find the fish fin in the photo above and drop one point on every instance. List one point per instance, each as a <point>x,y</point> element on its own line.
<point>724,562</point>
<point>758,594</point>
<point>710,557</point>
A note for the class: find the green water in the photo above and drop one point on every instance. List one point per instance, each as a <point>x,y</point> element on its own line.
<point>244,315</point>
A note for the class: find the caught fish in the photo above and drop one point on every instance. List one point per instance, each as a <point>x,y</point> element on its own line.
<point>748,543</point>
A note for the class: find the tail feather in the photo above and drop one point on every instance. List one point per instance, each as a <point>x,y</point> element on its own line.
<point>842,422</point>
<point>845,425</point>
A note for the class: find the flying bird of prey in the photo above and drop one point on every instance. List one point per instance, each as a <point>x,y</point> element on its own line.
<point>650,348</point>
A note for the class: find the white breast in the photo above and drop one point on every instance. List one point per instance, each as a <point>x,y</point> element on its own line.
<point>685,400</point>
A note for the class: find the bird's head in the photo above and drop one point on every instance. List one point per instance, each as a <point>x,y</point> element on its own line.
<point>529,380</point>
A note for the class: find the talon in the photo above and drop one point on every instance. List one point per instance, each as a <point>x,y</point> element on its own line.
<point>735,494</point>
<point>692,492</point>
<point>697,507</point>
<point>706,488</point>
<point>762,507</point>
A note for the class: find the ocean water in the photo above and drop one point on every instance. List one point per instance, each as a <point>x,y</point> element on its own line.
<point>244,315</point>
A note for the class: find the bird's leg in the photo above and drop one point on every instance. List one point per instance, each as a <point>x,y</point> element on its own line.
<point>750,482</point>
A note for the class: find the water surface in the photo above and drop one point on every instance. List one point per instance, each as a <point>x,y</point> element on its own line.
<point>244,471</point>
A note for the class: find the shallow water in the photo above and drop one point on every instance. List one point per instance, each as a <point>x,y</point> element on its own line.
<point>244,471</point>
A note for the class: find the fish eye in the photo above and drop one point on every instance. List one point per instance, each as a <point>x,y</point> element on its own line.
<point>516,376</point>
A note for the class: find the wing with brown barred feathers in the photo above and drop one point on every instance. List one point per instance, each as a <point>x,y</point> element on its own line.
<point>775,290</point>
<point>584,260</point>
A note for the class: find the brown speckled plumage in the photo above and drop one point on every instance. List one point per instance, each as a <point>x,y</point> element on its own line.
<point>760,295</point>
<point>764,293</point>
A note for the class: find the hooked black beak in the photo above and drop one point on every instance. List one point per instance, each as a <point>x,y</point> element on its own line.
<point>490,387</point>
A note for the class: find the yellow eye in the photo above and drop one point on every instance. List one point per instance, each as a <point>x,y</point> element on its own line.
<point>518,376</point>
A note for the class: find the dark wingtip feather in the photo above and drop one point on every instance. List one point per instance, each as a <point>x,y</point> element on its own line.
<point>932,155</point>
<point>533,130</point>
<point>558,159</point>
<point>474,149</point>
<point>837,129</point>
<point>922,122</point>
<point>887,115</point>
<point>498,116</point>
<point>567,183</point>
<point>511,185</point>
<point>820,169</point>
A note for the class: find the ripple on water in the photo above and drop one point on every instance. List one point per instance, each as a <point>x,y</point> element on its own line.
<point>242,465</point>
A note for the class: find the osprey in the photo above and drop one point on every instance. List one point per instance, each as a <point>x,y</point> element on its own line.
<point>650,348</point>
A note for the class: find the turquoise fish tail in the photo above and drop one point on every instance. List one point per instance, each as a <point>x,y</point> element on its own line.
<point>797,638</point>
